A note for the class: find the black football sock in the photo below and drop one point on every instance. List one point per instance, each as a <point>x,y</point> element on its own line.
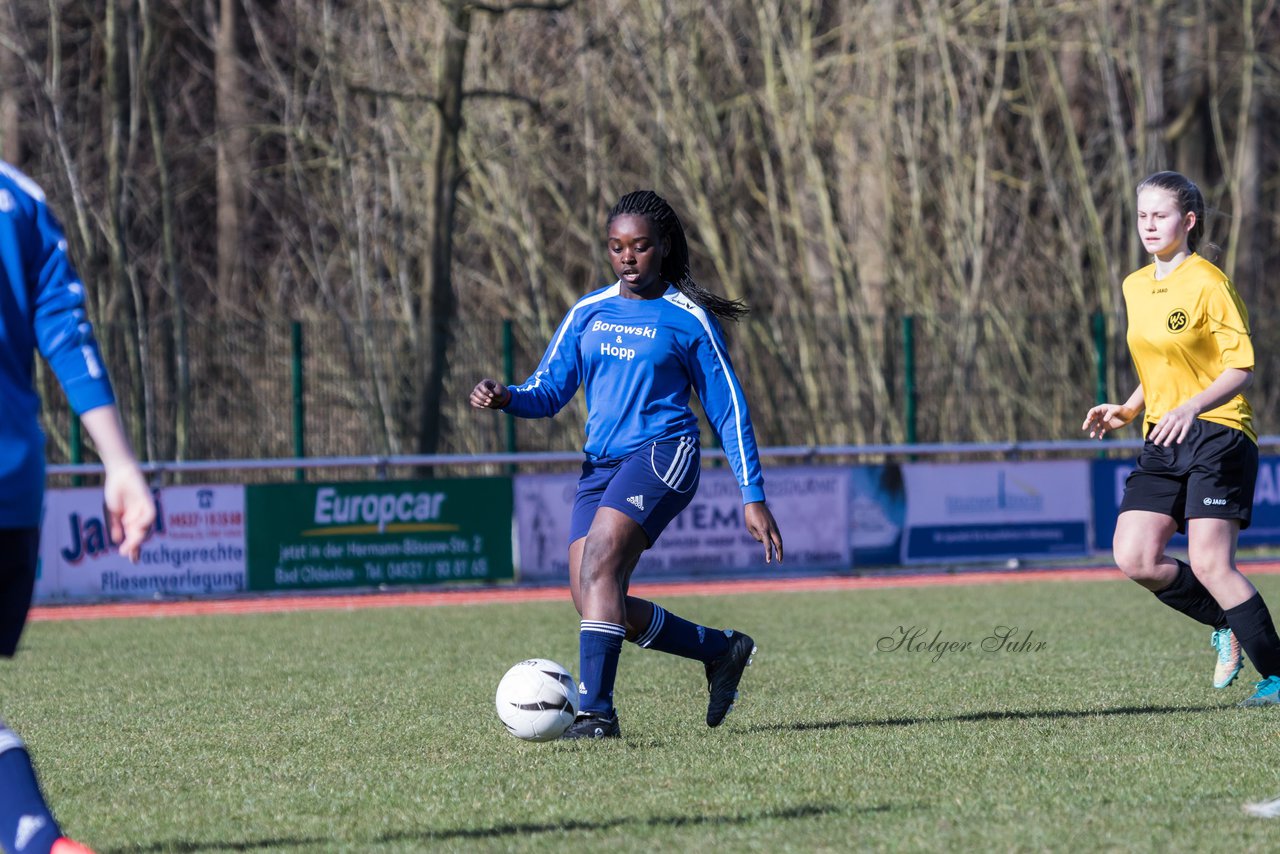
<point>1251,624</point>
<point>1187,595</point>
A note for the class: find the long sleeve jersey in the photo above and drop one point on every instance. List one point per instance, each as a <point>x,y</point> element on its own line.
<point>41,307</point>
<point>638,361</point>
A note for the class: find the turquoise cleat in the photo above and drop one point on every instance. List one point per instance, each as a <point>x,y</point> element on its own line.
<point>1230,660</point>
<point>1268,693</point>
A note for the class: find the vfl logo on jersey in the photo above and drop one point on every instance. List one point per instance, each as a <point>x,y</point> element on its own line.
<point>1176,321</point>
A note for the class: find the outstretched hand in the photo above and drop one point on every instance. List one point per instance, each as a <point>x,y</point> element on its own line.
<point>490,394</point>
<point>764,528</point>
<point>1104,418</point>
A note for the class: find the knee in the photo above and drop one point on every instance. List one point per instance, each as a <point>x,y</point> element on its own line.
<point>599,564</point>
<point>1137,563</point>
<point>1210,567</point>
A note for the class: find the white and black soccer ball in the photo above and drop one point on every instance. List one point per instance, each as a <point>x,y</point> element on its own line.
<point>537,700</point>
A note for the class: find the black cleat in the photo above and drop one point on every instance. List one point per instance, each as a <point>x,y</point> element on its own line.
<point>589,725</point>
<point>724,674</point>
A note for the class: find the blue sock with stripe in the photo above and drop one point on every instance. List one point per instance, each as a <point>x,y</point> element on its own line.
<point>25,821</point>
<point>678,636</point>
<point>599,645</point>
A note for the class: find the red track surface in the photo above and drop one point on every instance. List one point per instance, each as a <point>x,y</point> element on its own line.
<point>487,595</point>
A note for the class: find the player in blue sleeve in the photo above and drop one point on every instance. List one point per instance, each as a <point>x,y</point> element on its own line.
<point>639,348</point>
<point>42,308</point>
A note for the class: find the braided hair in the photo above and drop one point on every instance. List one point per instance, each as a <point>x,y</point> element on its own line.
<point>675,266</point>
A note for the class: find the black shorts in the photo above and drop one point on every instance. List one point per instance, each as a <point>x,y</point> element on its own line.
<point>19,551</point>
<point>1209,475</point>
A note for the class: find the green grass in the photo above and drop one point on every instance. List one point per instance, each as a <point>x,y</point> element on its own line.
<point>375,731</point>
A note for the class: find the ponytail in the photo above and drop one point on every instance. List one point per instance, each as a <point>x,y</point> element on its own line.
<point>675,266</point>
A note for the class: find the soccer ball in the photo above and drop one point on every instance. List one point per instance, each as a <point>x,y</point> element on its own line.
<point>537,699</point>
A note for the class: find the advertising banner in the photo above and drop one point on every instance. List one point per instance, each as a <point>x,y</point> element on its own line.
<point>877,514</point>
<point>979,511</point>
<point>810,505</point>
<point>309,536</point>
<point>197,547</point>
<point>1108,491</point>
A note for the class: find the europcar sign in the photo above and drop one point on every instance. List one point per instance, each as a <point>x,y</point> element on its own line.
<point>375,533</point>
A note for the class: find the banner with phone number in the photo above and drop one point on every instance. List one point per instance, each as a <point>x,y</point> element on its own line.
<point>373,533</point>
<point>197,547</point>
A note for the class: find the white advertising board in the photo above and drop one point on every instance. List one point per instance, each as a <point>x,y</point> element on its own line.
<point>709,536</point>
<point>197,549</point>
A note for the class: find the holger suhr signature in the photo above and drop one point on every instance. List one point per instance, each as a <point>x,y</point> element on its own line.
<point>919,639</point>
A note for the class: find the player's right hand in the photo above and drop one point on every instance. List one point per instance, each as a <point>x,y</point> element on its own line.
<point>1105,417</point>
<point>490,394</point>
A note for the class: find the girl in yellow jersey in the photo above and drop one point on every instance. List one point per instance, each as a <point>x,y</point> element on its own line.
<point>1189,339</point>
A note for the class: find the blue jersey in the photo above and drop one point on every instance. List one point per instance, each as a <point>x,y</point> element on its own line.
<point>41,307</point>
<point>638,361</point>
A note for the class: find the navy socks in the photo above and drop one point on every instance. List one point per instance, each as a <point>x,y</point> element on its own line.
<point>599,645</point>
<point>26,825</point>
<point>669,633</point>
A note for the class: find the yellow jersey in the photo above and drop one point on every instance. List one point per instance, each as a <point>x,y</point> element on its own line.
<point>1184,331</point>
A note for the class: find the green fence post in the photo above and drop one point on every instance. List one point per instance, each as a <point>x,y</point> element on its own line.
<point>1100,363</point>
<point>909,375</point>
<point>299,405</point>
<point>508,377</point>
<point>1100,356</point>
<point>77,447</point>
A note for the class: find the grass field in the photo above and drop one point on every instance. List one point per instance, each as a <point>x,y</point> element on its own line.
<point>375,731</point>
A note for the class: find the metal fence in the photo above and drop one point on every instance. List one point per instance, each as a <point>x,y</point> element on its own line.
<point>329,389</point>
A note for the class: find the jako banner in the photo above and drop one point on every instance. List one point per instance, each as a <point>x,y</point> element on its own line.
<point>197,547</point>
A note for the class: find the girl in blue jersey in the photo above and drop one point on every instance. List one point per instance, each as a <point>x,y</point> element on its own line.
<point>639,347</point>
<point>42,308</point>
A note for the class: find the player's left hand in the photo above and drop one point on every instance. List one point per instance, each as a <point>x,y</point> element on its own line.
<point>1173,427</point>
<point>764,528</point>
<point>130,508</point>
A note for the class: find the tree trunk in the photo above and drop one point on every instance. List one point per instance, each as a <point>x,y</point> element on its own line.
<point>441,304</point>
<point>123,285</point>
<point>233,156</point>
<point>172,280</point>
<point>11,84</point>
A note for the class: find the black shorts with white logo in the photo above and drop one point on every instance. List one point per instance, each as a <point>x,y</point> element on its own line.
<point>1209,475</point>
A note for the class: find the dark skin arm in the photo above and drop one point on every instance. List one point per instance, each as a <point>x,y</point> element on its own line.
<point>490,394</point>
<point>762,526</point>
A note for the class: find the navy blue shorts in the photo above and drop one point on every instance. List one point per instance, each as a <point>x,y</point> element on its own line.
<point>1209,475</point>
<point>19,551</point>
<point>651,486</point>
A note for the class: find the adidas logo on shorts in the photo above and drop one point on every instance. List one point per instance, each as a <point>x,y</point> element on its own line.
<point>28,827</point>
<point>637,501</point>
